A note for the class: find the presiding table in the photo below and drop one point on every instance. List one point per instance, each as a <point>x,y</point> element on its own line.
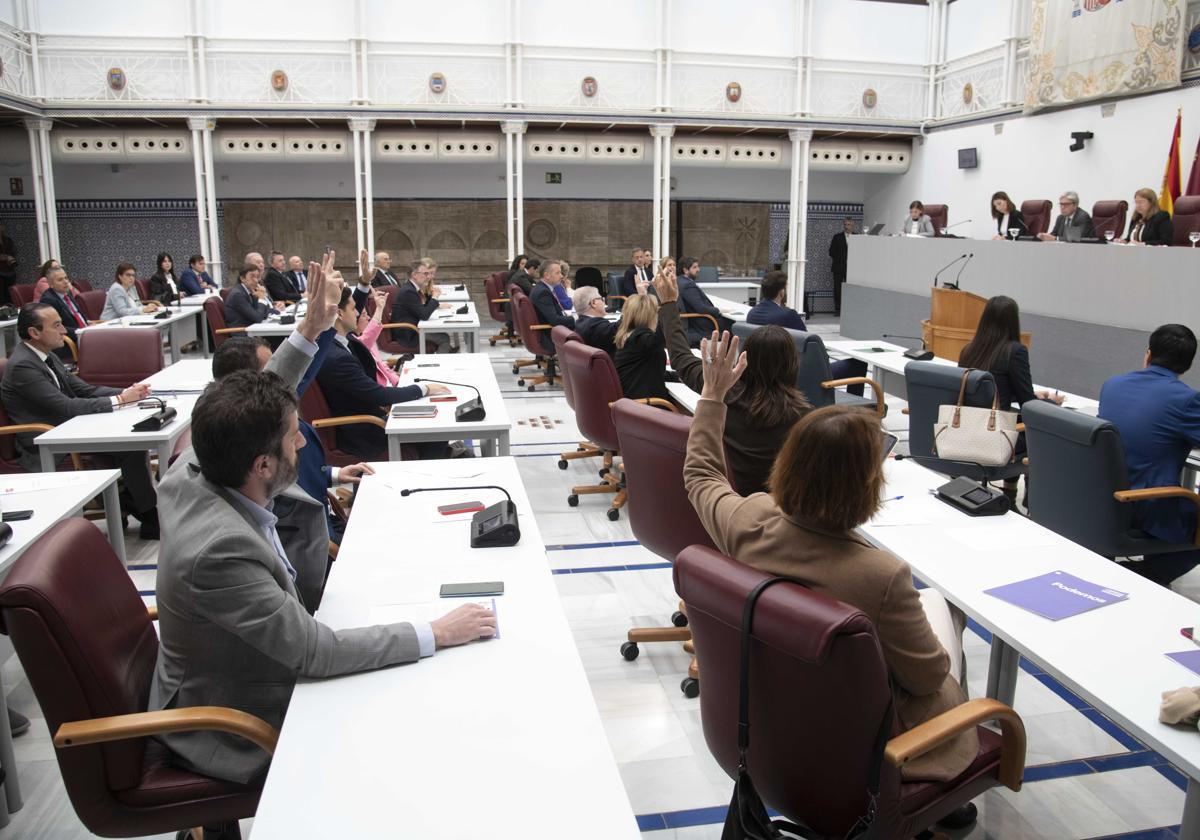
<point>499,738</point>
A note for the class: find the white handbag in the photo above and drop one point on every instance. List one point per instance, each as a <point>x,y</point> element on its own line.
<point>984,436</point>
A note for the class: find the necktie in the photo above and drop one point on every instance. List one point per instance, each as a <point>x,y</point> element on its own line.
<point>79,319</point>
<point>57,379</point>
<point>300,278</point>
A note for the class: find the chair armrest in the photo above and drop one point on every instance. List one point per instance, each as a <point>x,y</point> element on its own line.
<point>716,326</point>
<point>400,325</point>
<point>1020,427</point>
<point>542,327</point>
<point>94,323</point>
<point>498,300</point>
<point>860,380</point>
<point>152,611</point>
<point>22,428</point>
<point>333,549</point>
<point>229,330</point>
<point>190,719</point>
<point>618,297</point>
<point>904,411</point>
<point>71,346</point>
<point>1160,493</point>
<point>336,507</point>
<point>933,733</point>
<point>657,402</point>
<point>349,420</point>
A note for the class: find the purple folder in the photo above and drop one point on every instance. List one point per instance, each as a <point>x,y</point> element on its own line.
<point>1189,659</point>
<point>1057,595</point>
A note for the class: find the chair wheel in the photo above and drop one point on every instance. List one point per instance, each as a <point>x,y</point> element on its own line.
<point>604,471</point>
<point>521,381</point>
<point>630,651</point>
<point>562,463</point>
<point>531,388</point>
<point>614,514</point>
<point>516,369</point>
<point>690,687</point>
<point>679,619</point>
<point>572,500</point>
<point>492,342</point>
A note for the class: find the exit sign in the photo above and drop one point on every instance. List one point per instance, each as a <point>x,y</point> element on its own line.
<point>553,177</point>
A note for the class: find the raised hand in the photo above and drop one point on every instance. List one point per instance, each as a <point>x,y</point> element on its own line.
<point>665,287</point>
<point>364,267</point>
<point>322,307</point>
<point>723,365</point>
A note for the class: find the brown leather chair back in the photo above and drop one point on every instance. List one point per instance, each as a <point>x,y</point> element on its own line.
<point>939,214</point>
<point>119,356</point>
<point>21,294</point>
<point>653,443</point>
<point>1109,215</point>
<point>81,284</point>
<point>1186,218</point>
<point>524,318</point>
<point>597,383</point>
<point>493,287</point>
<point>225,293</point>
<point>214,311</point>
<point>143,288</point>
<point>560,336</point>
<point>1036,213</point>
<point>91,304</point>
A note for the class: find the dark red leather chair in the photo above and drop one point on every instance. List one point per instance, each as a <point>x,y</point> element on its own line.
<point>1186,218</point>
<point>819,689</point>
<point>939,214</point>
<point>214,311</point>
<point>530,328</point>
<point>225,293</point>
<point>1109,215</point>
<point>86,642</point>
<point>143,289</point>
<point>315,409</point>
<point>1036,213</point>
<point>91,304</point>
<point>119,356</point>
<point>537,359</point>
<point>653,446</point>
<point>398,337</point>
<point>493,287</point>
<point>585,449</point>
<point>21,294</point>
<point>81,284</point>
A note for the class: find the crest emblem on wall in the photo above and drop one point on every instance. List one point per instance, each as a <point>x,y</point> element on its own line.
<point>733,91</point>
<point>968,94</point>
<point>437,83</point>
<point>870,98</point>
<point>279,81</point>
<point>116,78</point>
<point>590,86</point>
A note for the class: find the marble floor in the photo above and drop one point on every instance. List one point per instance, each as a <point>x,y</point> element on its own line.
<point>1085,777</point>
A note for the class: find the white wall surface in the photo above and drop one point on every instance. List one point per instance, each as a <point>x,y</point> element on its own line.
<point>859,30</point>
<point>1030,160</point>
<point>8,12</point>
<point>461,22</point>
<point>976,25</point>
<point>130,18</point>
<point>761,27</point>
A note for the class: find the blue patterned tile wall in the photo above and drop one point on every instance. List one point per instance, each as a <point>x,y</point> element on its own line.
<point>824,220</point>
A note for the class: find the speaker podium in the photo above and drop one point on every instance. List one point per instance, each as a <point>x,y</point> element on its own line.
<point>953,317</point>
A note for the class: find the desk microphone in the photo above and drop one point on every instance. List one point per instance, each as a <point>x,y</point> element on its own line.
<point>922,355</point>
<point>493,527</point>
<point>954,285</point>
<point>472,410</point>
<point>158,419</point>
<point>943,268</point>
<point>286,317</point>
<point>956,224</point>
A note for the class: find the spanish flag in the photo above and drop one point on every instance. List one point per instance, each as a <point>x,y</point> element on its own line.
<point>1173,176</point>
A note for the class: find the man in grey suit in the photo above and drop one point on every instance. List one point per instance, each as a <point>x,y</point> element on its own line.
<point>1073,223</point>
<point>38,388</point>
<point>235,628</point>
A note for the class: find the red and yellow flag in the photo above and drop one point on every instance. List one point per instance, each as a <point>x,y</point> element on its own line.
<point>1173,176</point>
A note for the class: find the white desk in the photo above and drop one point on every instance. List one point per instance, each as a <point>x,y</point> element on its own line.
<point>5,326</point>
<point>445,320</point>
<point>191,376</point>
<point>469,368</point>
<point>197,300</point>
<point>52,497</point>
<point>731,309</point>
<point>683,395</point>
<point>450,293</point>
<point>748,288</point>
<point>112,432</point>
<point>1113,657</point>
<point>169,326</point>
<point>457,744</point>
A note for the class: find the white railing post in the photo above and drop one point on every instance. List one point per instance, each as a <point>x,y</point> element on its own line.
<point>798,216</point>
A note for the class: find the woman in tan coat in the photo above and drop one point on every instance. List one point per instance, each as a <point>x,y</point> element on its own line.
<point>827,480</point>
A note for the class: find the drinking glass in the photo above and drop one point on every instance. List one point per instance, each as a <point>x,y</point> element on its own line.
<point>942,231</point>
<point>1109,235</point>
<point>1013,233</point>
<point>1194,237</point>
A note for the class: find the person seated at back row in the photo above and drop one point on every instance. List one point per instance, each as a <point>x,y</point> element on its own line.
<point>195,280</point>
<point>772,308</point>
<point>412,306</point>
<point>1158,418</point>
<point>693,301</point>
<point>1008,217</point>
<point>917,223</point>
<point>61,295</point>
<point>121,300</point>
<point>1149,225</point>
<point>546,305</point>
<point>1073,223</point>
<point>590,321</point>
<point>247,301</point>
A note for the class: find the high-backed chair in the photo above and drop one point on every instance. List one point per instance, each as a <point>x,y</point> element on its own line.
<point>585,449</point>
<point>315,409</point>
<point>119,356</point>
<point>497,302</point>
<point>1079,484</point>
<point>21,294</point>
<point>143,289</point>
<point>1185,219</point>
<point>91,304</point>
<point>1110,215</point>
<point>589,275</point>
<point>613,285</point>
<point>814,378</point>
<point>214,311</point>
<point>653,448</point>
<point>9,463</point>
<point>819,687</point>
<point>931,385</point>
<point>537,359</point>
<point>525,320</point>
<point>86,642</point>
<point>225,292</point>
<point>1036,213</point>
<point>81,284</point>
<point>939,214</point>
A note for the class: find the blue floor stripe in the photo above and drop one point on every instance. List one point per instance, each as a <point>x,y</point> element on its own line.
<point>1173,775</point>
<point>1170,832</point>
<point>1072,699</point>
<point>142,567</point>
<point>579,546</point>
<point>539,455</point>
<point>1115,732</point>
<point>696,816</point>
<point>1124,761</point>
<point>147,592</point>
<point>1061,770</point>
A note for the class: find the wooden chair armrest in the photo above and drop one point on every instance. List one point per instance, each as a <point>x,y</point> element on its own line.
<point>716,326</point>
<point>932,733</point>
<point>1020,427</point>
<point>190,719</point>
<point>657,402</point>
<point>229,330</point>
<point>94,323</point>
<point>876,388</point>
<point>333,549</point>
<point>618,297</point>
<point>22,428</point>
<point>72,347</point>
<point>152,611</point>
<point>904,411</point>
<point>1160,493</point>
<point>335,505</point>
<point>542,327</point>
<point>1025,462</point>
<point>401,325</point>
<point>498,300</point>
<point>349,420</point>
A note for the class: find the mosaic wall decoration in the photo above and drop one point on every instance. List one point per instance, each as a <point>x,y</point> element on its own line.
<point>824,221</point>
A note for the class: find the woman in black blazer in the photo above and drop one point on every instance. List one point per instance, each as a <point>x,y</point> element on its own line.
<point>641,356</point>
<point>1149,225</point>
<point>164,288</point>
<point>1007,216</point>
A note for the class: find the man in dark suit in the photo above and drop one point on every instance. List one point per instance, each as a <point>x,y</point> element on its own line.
<point>596,330</point>
<point>1073,222</point>
<point>545,303</point>
<point>60,296</point>
<point>838,247</point>
<point>347,379</point>
<point>693,300</point>
<point>279,287</point>
<point>194,280</point>
<point>411,307</point>
<point>772,308</point>
<point>383,271</point>
<point>524,278</point>
<point>246,303</point>
<point>1158,418</point>
<point>37,388</point>
<point>297,275</point>
<point>639,272</point>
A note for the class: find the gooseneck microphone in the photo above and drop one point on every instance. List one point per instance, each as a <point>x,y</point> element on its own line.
<point>158,419</point>
<point>943,268</point>
<point>954,285</point>
<point>472,411</point>
<point>494,526</point>
<point>922,355</point>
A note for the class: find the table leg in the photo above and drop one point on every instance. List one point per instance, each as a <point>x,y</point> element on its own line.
<point>1002,671</point>
<point>473,335</point>
<point>173,337</point>
<point>115,521</point>
<point>47,458</point>
<point>202,321</point>
<point>12,788</point>
<point>3,342</point>
<point>393,448</point>
<point>1189,826</point>
<point>487,447</point>
<point>502,443</point>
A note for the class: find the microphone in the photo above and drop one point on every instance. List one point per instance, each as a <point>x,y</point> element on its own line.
<point>922,355</point>
<point>493,527</point>
<point>158,419</point>
<point>471,411</point>
<point>943,268</point>
<point>954,285</point>
<point>286,317</point>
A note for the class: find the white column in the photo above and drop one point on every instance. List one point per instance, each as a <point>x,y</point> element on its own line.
<point>364,186</point>
<point>356,139</point>
<point>665,202</point>
<point>43,188</point>
<point>204,223</point>
<point>39,198</point>
<point>514,185</point>
<point>48,188</point>
<point>215,263</point>
<point>934,54</point>
<point>662,189</point>
<point>656,198</point>
<point>800,39</point>
<point>798,215</point>
<point>1010,53</point>
<point>509,212</point>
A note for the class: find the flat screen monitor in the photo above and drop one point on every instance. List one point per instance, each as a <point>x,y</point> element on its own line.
<point>967,159</point>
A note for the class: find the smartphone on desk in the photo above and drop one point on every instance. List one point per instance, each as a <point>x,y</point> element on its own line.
<point>17,515</point>
<point>472,590</point>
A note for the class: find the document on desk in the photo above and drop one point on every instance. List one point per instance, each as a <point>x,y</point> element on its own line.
<point>428,610</point>
<point>1189,659</point>
<point>1057,595</point>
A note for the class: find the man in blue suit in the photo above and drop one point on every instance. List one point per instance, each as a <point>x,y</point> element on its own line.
<point>545,303</point>
<point>1158,418</point>
<point>772,308</point>
<point>195,280</point>
<point>693,301</point>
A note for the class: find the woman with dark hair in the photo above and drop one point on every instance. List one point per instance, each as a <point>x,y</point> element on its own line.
<point>163,286</point>
<point>763,406</point>
<point>518,264</point>
<point>828,480</point>
<point>1149,225</point>
<point>1007,216</point>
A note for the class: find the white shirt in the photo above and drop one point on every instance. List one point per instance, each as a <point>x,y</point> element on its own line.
<point>116,399</point>
<point>916,227</point>
<point>1004,225</point>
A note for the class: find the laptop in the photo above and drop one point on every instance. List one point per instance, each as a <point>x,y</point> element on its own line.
<point>876,229</point>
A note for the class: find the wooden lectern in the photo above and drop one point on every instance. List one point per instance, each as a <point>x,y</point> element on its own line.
<point>953,317</point>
